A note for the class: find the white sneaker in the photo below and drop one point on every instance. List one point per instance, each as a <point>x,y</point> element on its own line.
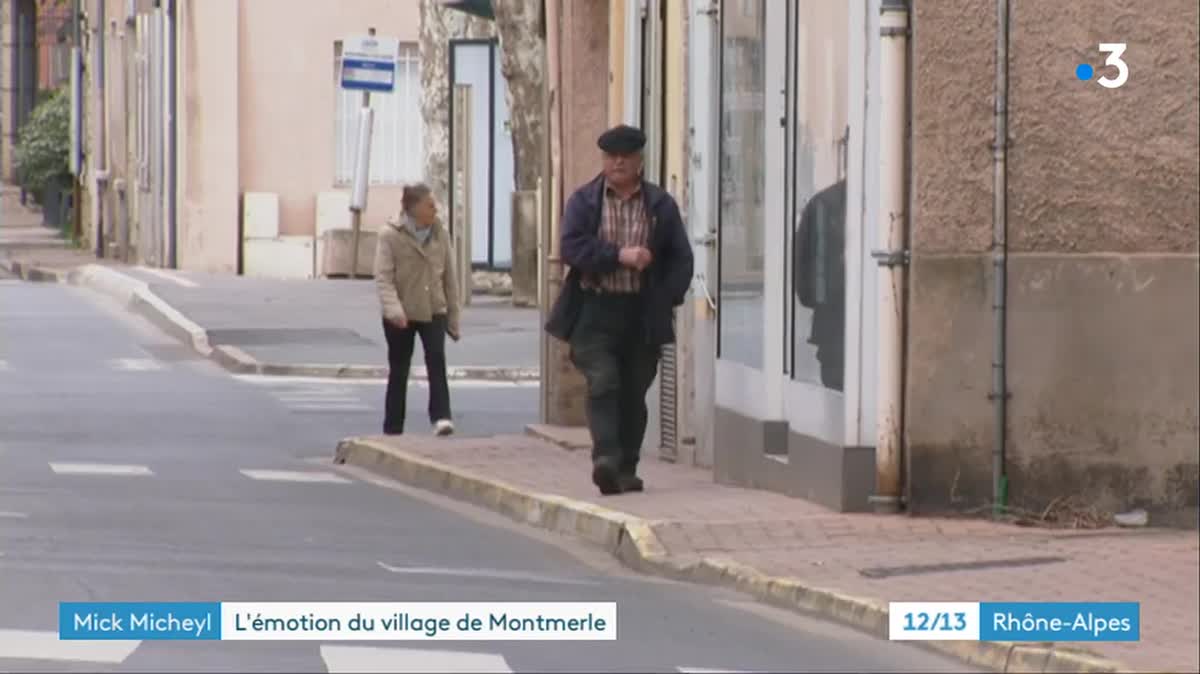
<point>443,427</point>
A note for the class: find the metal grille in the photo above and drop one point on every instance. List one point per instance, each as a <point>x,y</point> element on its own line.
<point>668,393</point>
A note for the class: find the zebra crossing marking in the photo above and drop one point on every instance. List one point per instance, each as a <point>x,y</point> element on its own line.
<point>35,645</point>
<point>374,660</point>
<point>99,469</point>
<point>135,364</point>
<point>294,476</point>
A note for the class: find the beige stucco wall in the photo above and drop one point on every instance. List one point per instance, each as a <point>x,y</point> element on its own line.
<point>208,149</point>
<point>1102,274</point>
<point>286,96</point>
<point>616,61</point>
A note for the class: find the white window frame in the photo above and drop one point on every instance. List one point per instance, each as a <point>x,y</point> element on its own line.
<point>397,152</point>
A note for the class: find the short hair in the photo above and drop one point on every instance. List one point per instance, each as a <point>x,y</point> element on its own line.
<point>413,194</point>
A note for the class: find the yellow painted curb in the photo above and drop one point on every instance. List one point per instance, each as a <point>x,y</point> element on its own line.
<point>634,542</point>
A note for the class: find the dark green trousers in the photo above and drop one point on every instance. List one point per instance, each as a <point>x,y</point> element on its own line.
<point>609,348</point>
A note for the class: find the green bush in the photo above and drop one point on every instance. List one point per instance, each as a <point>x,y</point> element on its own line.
<point>42,156</point>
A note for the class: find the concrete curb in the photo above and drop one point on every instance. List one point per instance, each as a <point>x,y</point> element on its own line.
<point>140,299</point>
<point>633,541</point>
<point>32,274</point>
<point>137,296</point>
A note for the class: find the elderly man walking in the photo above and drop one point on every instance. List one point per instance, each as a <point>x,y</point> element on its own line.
<point>630,266</point>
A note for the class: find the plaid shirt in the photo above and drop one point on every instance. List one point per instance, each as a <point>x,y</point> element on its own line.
<point>623,222</point>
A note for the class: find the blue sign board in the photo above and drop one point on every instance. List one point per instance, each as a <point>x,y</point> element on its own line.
<point>369,63</point>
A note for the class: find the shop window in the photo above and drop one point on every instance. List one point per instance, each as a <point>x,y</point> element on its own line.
<point>817,144</point>
<point>743,126</point>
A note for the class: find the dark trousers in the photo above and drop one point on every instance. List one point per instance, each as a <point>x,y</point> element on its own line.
<point>400,342</point>
<point>608,347</point>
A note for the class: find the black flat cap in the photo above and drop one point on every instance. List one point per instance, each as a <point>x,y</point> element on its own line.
<point>623,139</point>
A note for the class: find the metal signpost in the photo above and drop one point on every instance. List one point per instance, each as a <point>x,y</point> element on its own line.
<point>368,65</point>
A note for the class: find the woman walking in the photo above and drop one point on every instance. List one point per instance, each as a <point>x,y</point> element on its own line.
<point>418,294</point>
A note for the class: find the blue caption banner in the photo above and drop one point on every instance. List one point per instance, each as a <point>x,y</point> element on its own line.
<point>148,621</point>
<point>1059,621</point>
<point>337,621</point>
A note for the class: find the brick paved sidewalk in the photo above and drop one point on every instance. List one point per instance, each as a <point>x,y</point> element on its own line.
<point>890,558</point>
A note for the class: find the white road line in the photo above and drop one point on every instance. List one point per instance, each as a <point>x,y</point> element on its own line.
<point>405,660</point>
<point>314,392</point>
<point>9,515</point>
<point>168,276</point>
<point>99,469</point>
<point>702,670</point>
<point>294,476</point>
<point>281,381</point>
<point>329,408</point>
<point>315,397</point>
<point>495,574</point>
<point>135,364</point>
<point>3,365</point>
<point>30,645</point>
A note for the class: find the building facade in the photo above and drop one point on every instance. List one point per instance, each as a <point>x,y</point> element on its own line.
<point>1099,337</point>
<point>19,74</point>
<point>219,137</point>
<point>907,316</point>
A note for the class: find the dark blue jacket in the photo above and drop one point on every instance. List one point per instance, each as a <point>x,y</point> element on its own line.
<point>664,283</point>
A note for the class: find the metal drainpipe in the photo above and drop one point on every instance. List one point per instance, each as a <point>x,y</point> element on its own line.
<point>77,65</point>
<point>999,393</point>
<point>893,256</point>
<point>102,123</point>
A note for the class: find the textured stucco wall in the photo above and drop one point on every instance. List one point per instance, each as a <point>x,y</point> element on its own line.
<point>1095,169</point>
<point>209,196</point>
<point>1102,274</point>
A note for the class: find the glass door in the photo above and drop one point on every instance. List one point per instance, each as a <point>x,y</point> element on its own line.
<point>822,244</point>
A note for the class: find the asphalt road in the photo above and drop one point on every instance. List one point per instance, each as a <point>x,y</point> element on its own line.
<point>130,470</point>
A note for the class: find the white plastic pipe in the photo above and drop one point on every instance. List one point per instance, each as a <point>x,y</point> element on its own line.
<point>362,160</point>
<point>891,255</point>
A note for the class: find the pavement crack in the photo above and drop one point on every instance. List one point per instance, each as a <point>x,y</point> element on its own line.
<point>87,589</point>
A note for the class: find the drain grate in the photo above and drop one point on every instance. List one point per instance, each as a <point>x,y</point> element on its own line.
<point>918,569</point>
<point>288,337</point>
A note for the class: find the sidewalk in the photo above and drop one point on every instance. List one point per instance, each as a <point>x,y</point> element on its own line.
<point>329,326</point>
<point>844,567</point>
<point>29,249</point>
<point>320,327</point>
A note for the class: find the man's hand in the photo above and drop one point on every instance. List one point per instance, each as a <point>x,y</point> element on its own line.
<point>454,334</point>
<point>636,257</point>
<point>400,321</point>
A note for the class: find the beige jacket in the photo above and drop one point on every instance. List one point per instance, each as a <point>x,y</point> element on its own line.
<point>416,281</point>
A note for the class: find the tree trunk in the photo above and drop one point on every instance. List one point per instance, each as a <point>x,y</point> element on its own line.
<point>438,26</point>
<point>523,64</point>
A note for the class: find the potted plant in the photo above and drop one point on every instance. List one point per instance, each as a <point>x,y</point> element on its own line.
<point>42,156</point>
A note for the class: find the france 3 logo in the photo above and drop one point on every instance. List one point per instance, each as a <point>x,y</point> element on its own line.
<point>1115,50</point>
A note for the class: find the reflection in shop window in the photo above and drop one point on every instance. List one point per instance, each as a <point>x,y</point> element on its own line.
<point>743,126</point>
<point>817,152</point>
